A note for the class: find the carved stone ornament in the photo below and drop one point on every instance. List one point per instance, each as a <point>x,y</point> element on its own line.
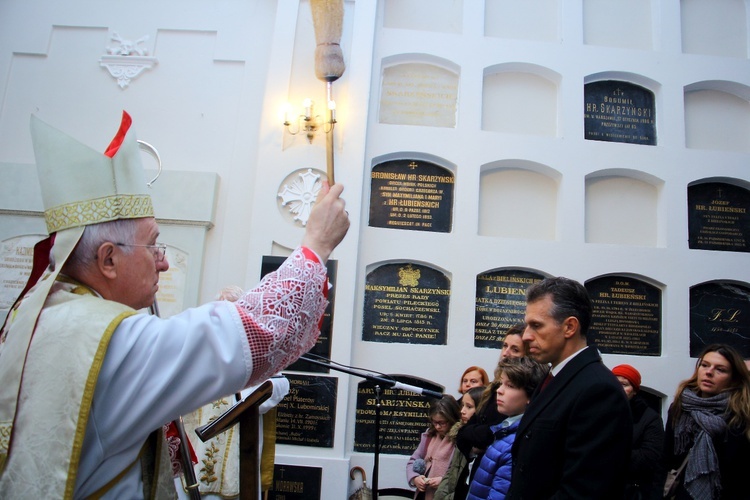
<point>300,194</point>
<point>126,59</point>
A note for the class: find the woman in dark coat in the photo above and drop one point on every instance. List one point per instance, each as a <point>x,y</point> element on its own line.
<point>709,423</point>
<point>646,472</point>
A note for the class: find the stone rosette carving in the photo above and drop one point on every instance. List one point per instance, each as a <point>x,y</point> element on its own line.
<point>298,195</point>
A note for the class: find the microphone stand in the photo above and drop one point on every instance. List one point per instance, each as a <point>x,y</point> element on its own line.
<point>386,382</point>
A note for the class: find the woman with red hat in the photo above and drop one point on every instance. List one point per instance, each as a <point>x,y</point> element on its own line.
<point>646,474</point>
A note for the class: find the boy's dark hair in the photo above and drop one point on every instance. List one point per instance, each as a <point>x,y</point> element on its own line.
<point>524,373</point>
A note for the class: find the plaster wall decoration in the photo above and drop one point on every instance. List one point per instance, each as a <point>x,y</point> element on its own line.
<point>126,59</point>
<point>298,194</point>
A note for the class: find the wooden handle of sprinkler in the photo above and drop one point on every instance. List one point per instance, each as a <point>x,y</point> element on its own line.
<point>329,153</point>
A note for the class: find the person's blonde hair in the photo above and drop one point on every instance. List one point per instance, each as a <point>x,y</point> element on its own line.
<point>738,407</point>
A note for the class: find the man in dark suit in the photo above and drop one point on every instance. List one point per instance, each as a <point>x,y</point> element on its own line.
<point>574,438</point>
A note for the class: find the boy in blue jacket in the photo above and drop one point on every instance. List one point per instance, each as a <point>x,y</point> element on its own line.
<point>518,380</point>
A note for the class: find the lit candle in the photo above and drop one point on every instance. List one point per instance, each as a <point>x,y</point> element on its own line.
<point>332,108</point>
<point>308,107</point>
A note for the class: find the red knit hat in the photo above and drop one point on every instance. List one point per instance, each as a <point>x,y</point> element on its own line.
<point>629,373</point>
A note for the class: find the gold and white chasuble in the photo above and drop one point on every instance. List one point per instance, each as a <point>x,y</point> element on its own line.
<point>50,427</point>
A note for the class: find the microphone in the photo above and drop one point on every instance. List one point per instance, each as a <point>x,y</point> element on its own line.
<point>418,390</point>
<point>419,466</point>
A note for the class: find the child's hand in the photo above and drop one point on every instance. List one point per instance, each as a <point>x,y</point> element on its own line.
<point>421,483</point>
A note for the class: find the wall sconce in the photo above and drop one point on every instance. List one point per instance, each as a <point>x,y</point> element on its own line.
<point>309,122</point>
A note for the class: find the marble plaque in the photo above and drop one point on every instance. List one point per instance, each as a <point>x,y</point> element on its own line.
<point>307,415</point>
<point>403,416</point>
<point>323,346</point>
<point>406,303</point>
<point>718,217</point>
<point>617,111</point>
<point>411,194</point>
<point>295,482</point>
<point>173,283</point>
<point>626,317</point>
<point>500,303</point>
<point>720,313</point>
<point>419,94</point>
<point>16,261</point>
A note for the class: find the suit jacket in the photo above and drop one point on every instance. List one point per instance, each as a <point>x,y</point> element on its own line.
<point>575,436</point>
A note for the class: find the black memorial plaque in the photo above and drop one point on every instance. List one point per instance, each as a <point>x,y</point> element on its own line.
<point>403,416</point>
<point>720,313</point>
<point>307,415</point>
<point>295,482</point>
<point>718,217</point>
<point>406,303</point>
<point>411,194</point>
<point>626,317</point>
<point>323,346</point>
<point>617,111</point>
<point>500,303</point>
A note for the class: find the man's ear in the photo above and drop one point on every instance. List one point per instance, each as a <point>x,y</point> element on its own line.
<point>107,259</point>
<point>571,326</point>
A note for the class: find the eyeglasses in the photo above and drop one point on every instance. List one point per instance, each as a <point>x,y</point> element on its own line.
<point>439,423</point>
<point>159,249</point>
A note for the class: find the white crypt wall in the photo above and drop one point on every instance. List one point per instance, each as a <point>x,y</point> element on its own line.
<point>530,191</point>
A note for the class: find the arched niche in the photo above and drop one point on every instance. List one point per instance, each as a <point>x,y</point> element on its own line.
<point>720,313</point>
<point>507,191</point>
<point>623,208</point>
<point>406,302</point>
<point>409,192</point>
<point>419,89</point>
<point>719,214</point>
<point>709,107</point>
<point>627,314</point>
<point>714,28</point>
<point>633,28</point>
<point>620,107</point>
<point>522,20</point>
<point>443,16</point>
<point>520,98</point>
<point>500,303</point>
<point>626,76</point>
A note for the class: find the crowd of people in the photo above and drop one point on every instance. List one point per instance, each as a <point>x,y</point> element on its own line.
<point>555,422</point>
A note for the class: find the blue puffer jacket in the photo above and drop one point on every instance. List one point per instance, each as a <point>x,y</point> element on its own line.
<point>492,479</point>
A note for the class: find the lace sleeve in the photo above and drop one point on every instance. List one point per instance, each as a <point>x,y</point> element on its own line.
<point>281,314</point>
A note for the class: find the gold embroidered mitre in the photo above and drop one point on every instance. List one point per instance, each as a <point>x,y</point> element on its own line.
<point>81,186</point>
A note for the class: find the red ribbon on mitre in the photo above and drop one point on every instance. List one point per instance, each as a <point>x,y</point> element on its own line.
<point>125,124</point>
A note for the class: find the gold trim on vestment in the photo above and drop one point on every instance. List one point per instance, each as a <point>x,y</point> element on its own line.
<point>88,396</point>
<point>86,212</point>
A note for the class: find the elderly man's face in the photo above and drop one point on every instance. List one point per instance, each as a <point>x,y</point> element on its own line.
<point>138,277</point>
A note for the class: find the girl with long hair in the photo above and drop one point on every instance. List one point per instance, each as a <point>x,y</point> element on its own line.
<point>435,449</point>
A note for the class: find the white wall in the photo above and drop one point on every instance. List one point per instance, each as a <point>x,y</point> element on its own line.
<point>211,105</point>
